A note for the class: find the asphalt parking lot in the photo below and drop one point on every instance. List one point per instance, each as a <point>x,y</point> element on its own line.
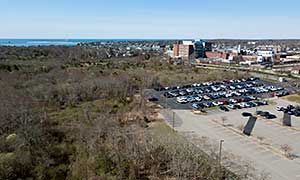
<point>270,130</point>
<point>172,102</point>
<point>262,149</point>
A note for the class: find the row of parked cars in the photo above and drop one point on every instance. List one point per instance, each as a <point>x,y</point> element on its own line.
<point>210,91</point>
<point>291,110</point>
<point>282,93</point>
<point>183,98</point>
<point>209,84</point>
<point>251,87</point>
<point>247,102</point>
<point>264,114</point>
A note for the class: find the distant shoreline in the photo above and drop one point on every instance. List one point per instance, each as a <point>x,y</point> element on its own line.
<point>63,42</point>
<point>74,42</point>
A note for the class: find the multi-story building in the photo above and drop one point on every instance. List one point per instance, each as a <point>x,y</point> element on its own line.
<point>186,49</point>
<point>269,55</point>
<point>208,46</point>
<point>183,50</point>
<point>201,47</point>
<point>176,49</point>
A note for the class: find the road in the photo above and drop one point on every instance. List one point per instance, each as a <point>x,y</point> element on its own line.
<point>263,157</point>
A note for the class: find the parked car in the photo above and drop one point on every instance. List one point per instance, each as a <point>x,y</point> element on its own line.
<point>265,113</point>
<point>246,114</point>
<point>290,107</point>
<point>182,93</point>
<point>224,108</point>
<point>198,98</point>
<point>243,105</point>
<point>208,105</point>
<point>197,105</point>
<point>232,101</point>
<point>259,103</point>
<point>182,100</point>
<point>215,103</point>
<point>259,112</point>
<point>174,93</point>
<point>191,99</point>
<point>251,104</point>
<point>198,91</point>
<point>168,95</point>
<point>237,106</point>
<point>190,90</point>
<point>291,112</point>
<point>264,102</point>
<point>297,113</point>
<point>153,99</point>
<point>206,97</point>
<point>270,116</point>
<point>280,108</point>
<point>232,106</point>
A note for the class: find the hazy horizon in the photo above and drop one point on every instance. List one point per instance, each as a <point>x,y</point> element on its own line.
<point>250,39</point>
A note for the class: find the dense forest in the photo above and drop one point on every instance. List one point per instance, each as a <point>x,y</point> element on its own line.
<point>71,113</point>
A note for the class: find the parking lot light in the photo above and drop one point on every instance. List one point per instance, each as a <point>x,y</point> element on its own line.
<point>220,151</point>
<point>173,123</point>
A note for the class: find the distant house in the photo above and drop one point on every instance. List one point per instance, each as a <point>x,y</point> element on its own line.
<point>295,70</point>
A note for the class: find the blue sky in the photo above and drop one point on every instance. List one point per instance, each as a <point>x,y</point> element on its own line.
<point>149,19</point>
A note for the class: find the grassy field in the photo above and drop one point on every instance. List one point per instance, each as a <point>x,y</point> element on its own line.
<point>271,102</point>
<point>160,128</point>
<point>292,98</point>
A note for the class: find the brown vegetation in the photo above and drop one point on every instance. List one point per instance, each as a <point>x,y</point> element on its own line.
<point>62,120</point>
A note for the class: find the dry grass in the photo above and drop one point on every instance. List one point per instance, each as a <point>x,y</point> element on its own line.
<point>292,98</point>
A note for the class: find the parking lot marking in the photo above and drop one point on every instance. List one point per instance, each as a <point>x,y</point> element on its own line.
<point>261,150</point>
<point>254,141</point>
<point>268,157</point>
<point>278,124</point>
<point>295,134</point>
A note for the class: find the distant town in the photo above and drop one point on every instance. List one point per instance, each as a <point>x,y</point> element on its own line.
<point>271,56</point>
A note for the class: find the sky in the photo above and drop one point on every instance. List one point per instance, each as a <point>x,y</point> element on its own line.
<point>150,19</point>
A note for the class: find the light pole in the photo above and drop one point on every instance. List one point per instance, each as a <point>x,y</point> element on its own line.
<point>220,151</point>
<point>173,123</point>
<point>220,158</point>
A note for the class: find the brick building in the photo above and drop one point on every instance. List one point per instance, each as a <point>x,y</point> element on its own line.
<point>176,50</point>
<point>183,50</point>
<point>217,55</point>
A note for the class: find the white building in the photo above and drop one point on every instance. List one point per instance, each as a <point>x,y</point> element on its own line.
<point>260,59</point>
<point>188,43</point>
<point>267,54</point>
